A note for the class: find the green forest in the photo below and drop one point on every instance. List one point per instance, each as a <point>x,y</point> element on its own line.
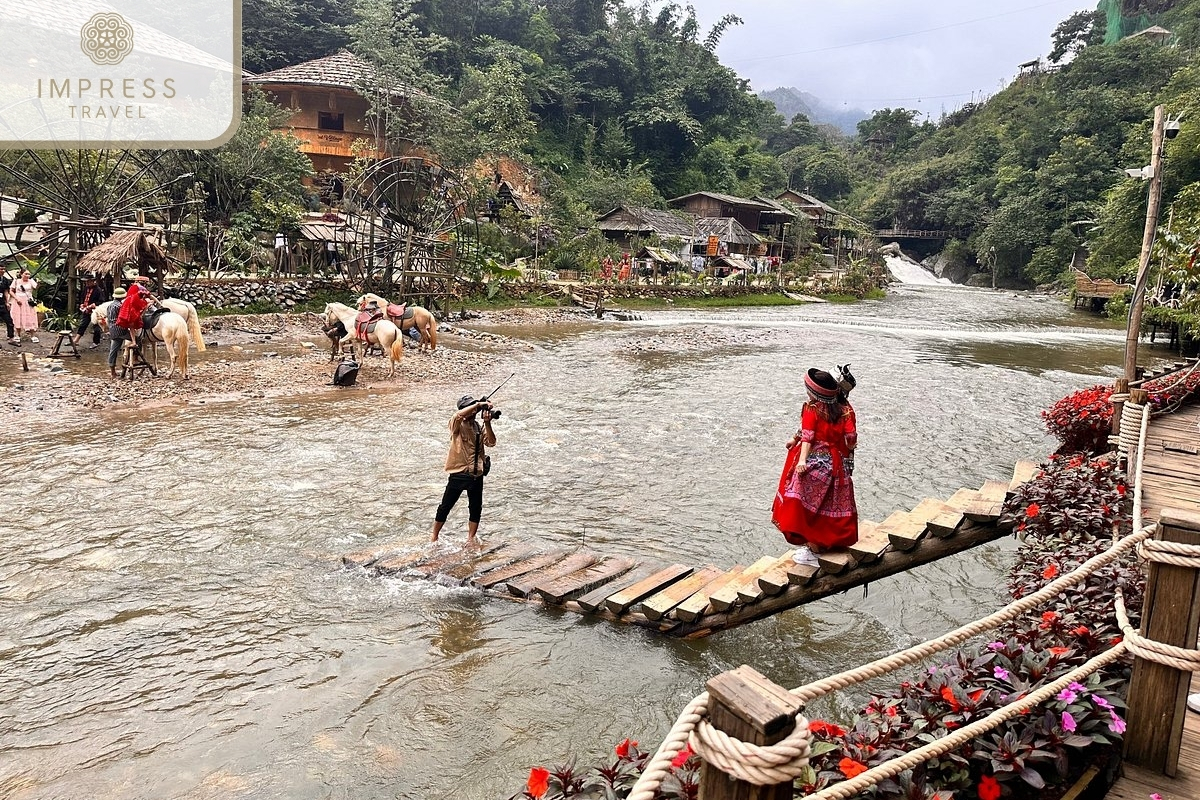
<point>613,102</point>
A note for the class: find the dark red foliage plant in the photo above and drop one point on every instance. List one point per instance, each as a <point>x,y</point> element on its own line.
<point>1081,421</point>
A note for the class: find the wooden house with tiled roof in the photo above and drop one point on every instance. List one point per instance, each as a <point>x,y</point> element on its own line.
<point>625,223</point>
<point>330,110</point>
<point>759,216</point>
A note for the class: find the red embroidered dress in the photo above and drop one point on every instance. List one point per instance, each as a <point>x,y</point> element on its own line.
<point>818,505</point>
<point>130,316</point>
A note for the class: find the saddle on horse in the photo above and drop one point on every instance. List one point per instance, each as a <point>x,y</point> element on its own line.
<point>150,318</point>
<point>399,313</point>
<point>364,323</point>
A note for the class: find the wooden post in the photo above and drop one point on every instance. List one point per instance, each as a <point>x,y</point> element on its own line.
<point>1121,387</point>
<point>1171,615</point>
<point>747,706</point>
<point>1139,284</point>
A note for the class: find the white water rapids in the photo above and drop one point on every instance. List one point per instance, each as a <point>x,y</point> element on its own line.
<point>908,271</point>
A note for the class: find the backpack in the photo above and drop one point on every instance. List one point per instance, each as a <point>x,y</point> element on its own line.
<point>346,373</point>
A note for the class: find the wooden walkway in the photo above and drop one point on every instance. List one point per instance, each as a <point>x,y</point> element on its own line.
<point>1171,479</point>
<point>693,601</point>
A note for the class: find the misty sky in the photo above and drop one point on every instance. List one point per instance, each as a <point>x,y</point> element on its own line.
<point>929,55</point>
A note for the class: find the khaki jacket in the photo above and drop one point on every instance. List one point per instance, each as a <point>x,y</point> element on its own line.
<point>463,430</point>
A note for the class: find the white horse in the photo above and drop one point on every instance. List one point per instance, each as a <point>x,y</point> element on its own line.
<point>414,316</point>
<point>384,334</point>
<point>170,328</point>
<point>188,311</point>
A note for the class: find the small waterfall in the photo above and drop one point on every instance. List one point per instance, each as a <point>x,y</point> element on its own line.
<point>906,270</point>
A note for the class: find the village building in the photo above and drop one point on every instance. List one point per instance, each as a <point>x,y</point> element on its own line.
<point>762,218</point>
<point>627,226</point>
<point>512,186</point>
<point>330,119</point>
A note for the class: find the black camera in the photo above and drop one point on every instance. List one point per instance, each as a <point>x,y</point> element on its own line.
<point>495,411</point>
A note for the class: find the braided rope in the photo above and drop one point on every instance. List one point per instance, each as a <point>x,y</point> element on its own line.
<point>1177,554</point>
<point>854,786</point>
<point>659,766</point>
<point>761,765</point>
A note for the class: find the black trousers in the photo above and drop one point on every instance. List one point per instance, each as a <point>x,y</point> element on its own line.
<point>83,326</point>
<point>7,317</point>
<point>458,483</point>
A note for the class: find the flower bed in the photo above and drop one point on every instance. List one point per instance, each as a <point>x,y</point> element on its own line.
<point>1064,516</point>
<point>1172,390</point>
<point>1081,421</point>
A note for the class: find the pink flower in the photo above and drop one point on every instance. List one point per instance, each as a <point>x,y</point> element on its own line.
<point>1066,696</point>
<point>1117,725</point>
<point>1001,673</point>
<point>1068,722</point>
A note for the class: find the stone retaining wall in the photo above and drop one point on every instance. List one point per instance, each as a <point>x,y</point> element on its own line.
<point>240,294</point>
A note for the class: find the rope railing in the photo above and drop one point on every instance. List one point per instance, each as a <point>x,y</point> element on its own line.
<point>783,762</point>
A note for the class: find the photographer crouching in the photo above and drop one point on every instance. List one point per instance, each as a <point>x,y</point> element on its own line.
<point>467,463</point>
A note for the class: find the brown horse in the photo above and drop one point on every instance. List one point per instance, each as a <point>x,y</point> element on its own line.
<point>414,316</point>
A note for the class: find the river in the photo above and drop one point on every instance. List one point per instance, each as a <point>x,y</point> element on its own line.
<point>180,627</point>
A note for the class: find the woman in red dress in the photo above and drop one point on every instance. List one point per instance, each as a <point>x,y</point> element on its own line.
<point>814,505</point>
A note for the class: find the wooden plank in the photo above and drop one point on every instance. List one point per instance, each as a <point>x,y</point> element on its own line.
<point>750,591</point>
<point>871,543</point>
<point>659,605</point>
<point>962,498</point>
<point>697,605</point>
<point>801,574</point>
<point>622,600</point>
<point>594,599</point>
<point>928,509</point>
<point>727,596</point>
<point>836,562</point>
<point>903,531</point>
<point>823,585</point>
<point>522,586</point>
<point>776,579</point>
<point>495,577</point>
<point>993,490</point>
<point>584,580</point>
<point>947,523</point>
<point>393,564</point>
<point>369,555</point>
<point>499,558</point>
<point>465,555</point>
<point>1022,472</point>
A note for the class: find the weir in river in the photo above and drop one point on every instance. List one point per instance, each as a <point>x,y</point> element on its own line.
<point>181,626</point>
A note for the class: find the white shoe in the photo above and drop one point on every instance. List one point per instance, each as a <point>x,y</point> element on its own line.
<point>1193,702</point>
<point>805,557</point>
<point>33,339</point>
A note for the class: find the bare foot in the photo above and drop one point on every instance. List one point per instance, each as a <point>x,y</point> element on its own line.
<point>433,538</point>
<point>472,543</point>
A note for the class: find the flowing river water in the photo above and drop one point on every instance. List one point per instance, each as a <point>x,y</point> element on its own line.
<point>180,627</point>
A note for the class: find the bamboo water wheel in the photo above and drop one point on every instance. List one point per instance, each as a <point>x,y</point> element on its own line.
<point>84,196</point>
<point>413,228</point>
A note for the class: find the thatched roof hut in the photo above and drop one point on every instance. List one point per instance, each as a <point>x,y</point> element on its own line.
<point>125,247</point>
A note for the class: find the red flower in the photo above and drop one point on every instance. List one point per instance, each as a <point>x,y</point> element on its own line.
<point>989,788</point>
<point>1058,651</point>
<point>975,695</point>
<point>1081,631</point>
<point>1048,618</point>
<point>890,711</point>
<point>539,782</point>
<point>1049,572</point>
<point>682,756</point>
<point>1121,489</point>
<point>1032,510</point>
<point>850,767</point>
<point>828,728</point>
<point>948,696</point>
<point>623,748</point>
<point>1114,641</point>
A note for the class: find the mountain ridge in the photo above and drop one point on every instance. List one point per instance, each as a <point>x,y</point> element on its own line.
<point>790,101</point>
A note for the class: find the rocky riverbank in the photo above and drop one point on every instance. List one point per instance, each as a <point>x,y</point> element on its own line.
<point>248,356</point>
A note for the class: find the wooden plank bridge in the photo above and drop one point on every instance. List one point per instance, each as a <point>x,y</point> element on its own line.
<point>694,601</point>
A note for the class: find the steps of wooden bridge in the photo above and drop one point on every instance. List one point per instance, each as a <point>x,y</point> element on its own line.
<point>689,602</point>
